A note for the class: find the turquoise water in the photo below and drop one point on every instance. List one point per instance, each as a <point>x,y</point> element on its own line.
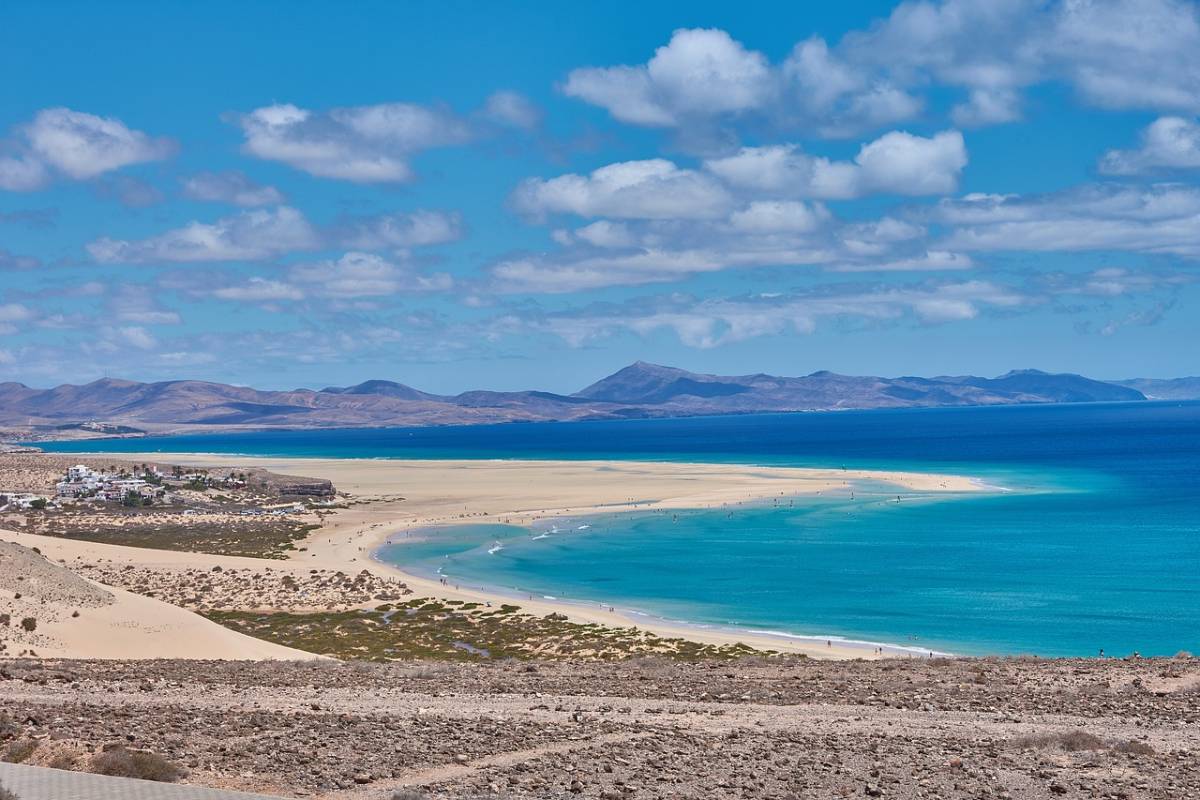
<point>1096,543</point>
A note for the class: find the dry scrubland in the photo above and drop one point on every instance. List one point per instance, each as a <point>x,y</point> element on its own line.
<point>641,728</point>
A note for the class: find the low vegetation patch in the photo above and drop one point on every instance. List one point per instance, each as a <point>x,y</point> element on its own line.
<point>425,629</point>
<point>5,794</point>
<point>121,762</point>
<point>18,750</point>
<point>255,537</point>
<point>1077,740</point>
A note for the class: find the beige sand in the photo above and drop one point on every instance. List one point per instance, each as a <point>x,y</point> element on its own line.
<point>77,618</point>
<point>391,497</point>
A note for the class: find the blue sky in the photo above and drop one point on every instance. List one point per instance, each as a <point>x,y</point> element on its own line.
<point>461,195</point>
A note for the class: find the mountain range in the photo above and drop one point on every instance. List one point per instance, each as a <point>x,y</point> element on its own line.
<point>639,390</point>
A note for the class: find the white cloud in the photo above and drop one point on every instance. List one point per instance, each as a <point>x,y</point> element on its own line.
<point>366,275</point>
<point>699,72</point>
<point>877,237</point>
<point>512,109</point>
<point>777,216</point>
<point>541,275</point>
<point>783,169</point>
<point>73,144</point>
<point>15,312</point>
<point>230,187</point>
<point>138,337</point>
<point>737,212</point>
<point>604,233</point>
<point>895,163</point>
<point>412,229</point>
<point>1121,54</point>
<point>905,164</point>
<point>84,145</point>
<point>651,189</point>
<point>714,322</point>
<point>987,106</point>
<point>1163,218</point>
<point>249,235</point>
<point>362,144</point>
<point>259,290</point>
<point>22,174</point>
<point>930,260</point>
<point>259,234</point>
<point>136,303</point>
<point>1116,54</point>
<point>1167,143</point>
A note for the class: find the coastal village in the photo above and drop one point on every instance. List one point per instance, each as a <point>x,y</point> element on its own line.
<point>242,512</point>
<point>143,485</point>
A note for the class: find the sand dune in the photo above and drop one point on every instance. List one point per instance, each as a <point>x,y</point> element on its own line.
<point>77,618</point>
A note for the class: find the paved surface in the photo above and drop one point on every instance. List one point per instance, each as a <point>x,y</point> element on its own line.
<point>39,783</point>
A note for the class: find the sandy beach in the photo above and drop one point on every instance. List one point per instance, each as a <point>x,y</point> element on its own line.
<point>388,497</point>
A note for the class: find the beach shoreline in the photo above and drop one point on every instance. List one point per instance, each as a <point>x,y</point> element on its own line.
<point>623,614</point>
<point>389,496</point>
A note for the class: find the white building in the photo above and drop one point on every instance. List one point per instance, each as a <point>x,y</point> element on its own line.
<point>23,502</point>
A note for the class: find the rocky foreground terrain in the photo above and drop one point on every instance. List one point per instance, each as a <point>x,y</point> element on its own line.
<point>644,728</point>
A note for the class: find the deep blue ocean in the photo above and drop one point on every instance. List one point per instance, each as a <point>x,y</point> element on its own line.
<point>1094,542</point>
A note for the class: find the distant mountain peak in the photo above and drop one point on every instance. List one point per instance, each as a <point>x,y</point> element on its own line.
<point>379,387</point>
<point>641,389</point>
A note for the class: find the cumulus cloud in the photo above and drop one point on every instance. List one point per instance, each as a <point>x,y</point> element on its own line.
<point>353,275</point>
<point>699,72</point>
<point>575,272</point>
<point>896,163</point>
<point>230,187</point>
<point>1168,143</point>
<point>605,233</point>
<point>1162,218</point>
<point>15,312</point>
<point>84,145</point>
<point>1141,54</point>
<point>259,234</point>
<point>1123,54</point>
<point>362,144</point>
<point>75,145</point>
<point>662,222</point>
<point>259,290</point>
<point>762,233</point>
<point>22,173</point>
<point>366,275</point>
<point>707,323</point>
<point>137,336</point>
<point>784,169</point>
<point>405,229</point>
<point>250,236</point>
<point>778,216</point>
<point>650,189</point>
<point>137,304</point>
